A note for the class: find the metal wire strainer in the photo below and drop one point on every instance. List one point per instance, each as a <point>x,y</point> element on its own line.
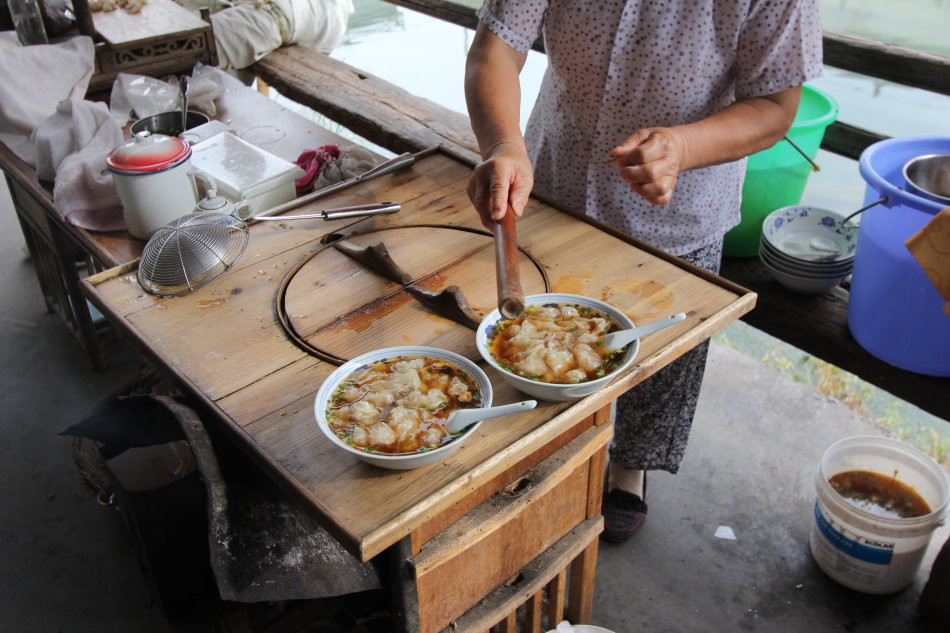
<point>190,252</point>
<point>199,247</point>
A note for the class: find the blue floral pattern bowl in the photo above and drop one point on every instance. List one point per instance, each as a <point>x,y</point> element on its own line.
<point>810,234</point>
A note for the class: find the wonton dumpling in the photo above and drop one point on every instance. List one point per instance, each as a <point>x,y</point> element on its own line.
<point>359,436</point>
<point>408,378</point>
<point>599,325</point>
<point>403,365</point>
<point>587,358</point>
<point>380,398</point>
<point>435,398</point>
<point>413,400</point>
<point>569,311</point>
<point>575,375</point>
<point>547,312</point>
<point>531,361</point>
<point>381,434</point>
<point>588,338</point>
<point>432,437</point>
<point>558,359</point>
<point>403,421</point>
<point>363,412</point>
<point>398,415</point>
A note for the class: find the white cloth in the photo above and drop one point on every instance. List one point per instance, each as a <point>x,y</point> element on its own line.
<point>618,65</point>
<point>246,32</point>
<point>71,148</point>
<point>33,80</point>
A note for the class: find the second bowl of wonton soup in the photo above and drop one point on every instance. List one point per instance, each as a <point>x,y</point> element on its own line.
<point>554,351</point>
<point>388,407</point>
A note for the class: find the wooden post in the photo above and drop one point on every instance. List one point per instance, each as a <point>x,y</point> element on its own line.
<point>582,585</point>
<point>84,18</point>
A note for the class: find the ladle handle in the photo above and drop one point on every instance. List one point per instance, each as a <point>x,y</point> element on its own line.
<point>463,418</point>
<point>339,213</point>
<point>622,338</point>
<point>510,295</point>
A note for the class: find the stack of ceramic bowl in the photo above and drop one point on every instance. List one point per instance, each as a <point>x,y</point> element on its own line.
<point>807,249</point>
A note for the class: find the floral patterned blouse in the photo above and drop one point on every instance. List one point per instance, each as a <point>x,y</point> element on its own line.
<point>615,66</point>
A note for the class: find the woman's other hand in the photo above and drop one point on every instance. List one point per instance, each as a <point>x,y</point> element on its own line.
<point>650,161</point>
<point>504,178</point>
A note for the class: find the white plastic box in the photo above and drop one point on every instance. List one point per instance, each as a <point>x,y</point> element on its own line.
<point>245,172</point>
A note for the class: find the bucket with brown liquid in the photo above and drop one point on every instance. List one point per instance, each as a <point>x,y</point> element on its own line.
<point>879,501</point>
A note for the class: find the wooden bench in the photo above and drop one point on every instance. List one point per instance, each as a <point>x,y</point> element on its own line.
<point>401,121</point>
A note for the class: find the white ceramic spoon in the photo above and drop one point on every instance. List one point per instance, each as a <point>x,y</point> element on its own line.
<point>616,340</point>
<point>460,419</point>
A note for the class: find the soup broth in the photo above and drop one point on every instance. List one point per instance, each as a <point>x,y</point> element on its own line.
<point>556,343</point>
<point>879,494</point>
<point>399,406</point>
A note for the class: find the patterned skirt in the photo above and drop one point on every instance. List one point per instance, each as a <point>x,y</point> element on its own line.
<point>652,421</point>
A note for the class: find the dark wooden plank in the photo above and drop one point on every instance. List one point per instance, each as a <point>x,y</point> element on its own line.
<point>373,108</point>
<point>882,60</point>
<point>890,62</point>
<point>848,140</point>
<point>818,325</point>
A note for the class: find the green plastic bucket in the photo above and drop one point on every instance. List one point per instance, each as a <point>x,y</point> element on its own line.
<point>776,177</point>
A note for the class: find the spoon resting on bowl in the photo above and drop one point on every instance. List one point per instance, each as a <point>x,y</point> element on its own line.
<point>461,419</point>
<point>622,338</point>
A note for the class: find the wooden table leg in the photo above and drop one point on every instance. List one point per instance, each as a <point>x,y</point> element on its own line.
<point>583,569</point>
<point>557,588</point>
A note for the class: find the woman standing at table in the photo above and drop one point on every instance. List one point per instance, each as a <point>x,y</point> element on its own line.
<point>644,117</point>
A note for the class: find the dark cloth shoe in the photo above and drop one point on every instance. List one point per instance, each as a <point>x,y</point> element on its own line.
<point>624,514</point>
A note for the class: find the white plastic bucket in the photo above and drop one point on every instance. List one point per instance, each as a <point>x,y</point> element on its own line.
<point>860,550</point>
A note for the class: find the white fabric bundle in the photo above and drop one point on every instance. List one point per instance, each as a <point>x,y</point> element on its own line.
<point>246,32</point>
<point>71,148</point>
<point>33,80</point>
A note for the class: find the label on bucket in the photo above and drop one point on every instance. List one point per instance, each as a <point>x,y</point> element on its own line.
<point>861,548</point>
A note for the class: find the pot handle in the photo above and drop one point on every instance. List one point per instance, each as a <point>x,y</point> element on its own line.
<point>198,174</point>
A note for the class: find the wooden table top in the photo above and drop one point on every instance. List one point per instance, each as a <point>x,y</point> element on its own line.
<point>227,346</point>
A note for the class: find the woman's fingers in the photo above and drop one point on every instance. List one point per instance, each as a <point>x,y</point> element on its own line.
<point>500,183</point>
<point>649,160</point>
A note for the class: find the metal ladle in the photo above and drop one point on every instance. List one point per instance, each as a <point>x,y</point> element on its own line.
<point>183,95</point>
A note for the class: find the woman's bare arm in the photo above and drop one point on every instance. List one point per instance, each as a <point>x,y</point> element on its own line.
<point>493,95</point>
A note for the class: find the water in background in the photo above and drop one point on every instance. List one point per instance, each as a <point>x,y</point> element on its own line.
<point>426,56</point>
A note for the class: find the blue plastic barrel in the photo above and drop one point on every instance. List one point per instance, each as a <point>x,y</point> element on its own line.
<point>894,311</point>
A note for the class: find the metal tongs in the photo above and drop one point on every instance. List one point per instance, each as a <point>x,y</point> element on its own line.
<point>339,213</point>
<point>393,164</point>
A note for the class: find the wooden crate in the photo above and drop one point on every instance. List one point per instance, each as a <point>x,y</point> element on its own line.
<point>511,553</point>
<point>163,39</point>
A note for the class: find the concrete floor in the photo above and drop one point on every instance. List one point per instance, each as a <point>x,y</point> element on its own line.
<point>69,564</point>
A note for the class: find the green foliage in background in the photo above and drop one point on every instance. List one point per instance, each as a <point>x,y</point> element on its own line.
<point>898,418</point>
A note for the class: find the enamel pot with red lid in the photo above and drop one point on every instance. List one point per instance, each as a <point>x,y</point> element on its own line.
<point>154,180</point>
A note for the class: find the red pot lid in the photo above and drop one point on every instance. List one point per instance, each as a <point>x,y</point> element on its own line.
<point>148,153</point>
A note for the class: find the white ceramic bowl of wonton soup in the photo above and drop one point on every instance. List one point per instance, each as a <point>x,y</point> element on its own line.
<point>560,372</point>
<point>386,407</point>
